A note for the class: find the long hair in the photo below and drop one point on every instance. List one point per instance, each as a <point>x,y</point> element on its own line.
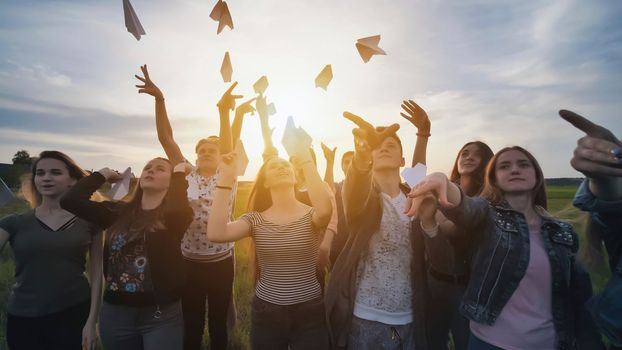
<point>495,194</point>
<point>477,185</point>
<point>28,189</point>
<point>133,220</point>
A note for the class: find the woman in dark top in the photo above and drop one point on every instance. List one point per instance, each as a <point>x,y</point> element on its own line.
<point>52,305</point>
<point>526,290</point>
<point>448,254</point>
<point>142,261</point>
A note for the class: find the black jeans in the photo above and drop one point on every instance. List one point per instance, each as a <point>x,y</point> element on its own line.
<point>295,327</point>
<point>445,298</point>
<point>214,281</point>
<point>59,330</point>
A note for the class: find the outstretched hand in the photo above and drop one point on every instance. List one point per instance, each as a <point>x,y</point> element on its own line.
<point>227,101</point>
<point>148,86</point>
<point>246,107</point>
<point>367,132</point>
<point>417,116</point>
<point>597,154</point>
<point>435,184</point>
<point>329,154</point>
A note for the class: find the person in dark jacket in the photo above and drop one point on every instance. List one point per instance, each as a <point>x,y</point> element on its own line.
<point>143,266</point>
<point>525,291</point>
<point>376,294</point>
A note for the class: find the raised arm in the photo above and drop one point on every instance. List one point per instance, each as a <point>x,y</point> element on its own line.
<point>329,155</point>
<point>77,199</point>
<point>163,125</point>
<point>419,118</point>
<point>219,229</point>
<point>177,213</point>
<point>264,114</point>
<point>225,105</point>
<point>236,126</point>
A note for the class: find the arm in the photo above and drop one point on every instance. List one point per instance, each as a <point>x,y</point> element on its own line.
<point>77,199</point>
<point>96,258</point>
<point>262,108</point>
<point>236,126</point>
<point>329,155</point>
<point>318,190</point>
<point>177,213</point>
<point>329,234</point>
<point>419,118</point>
<point>219,229</point>
<point>226,104</point>
<point>163,125</point>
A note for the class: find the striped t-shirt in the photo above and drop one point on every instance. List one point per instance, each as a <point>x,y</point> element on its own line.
<point>287,257</point>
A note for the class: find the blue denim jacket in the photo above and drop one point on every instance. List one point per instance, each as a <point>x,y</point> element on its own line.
<point>499,262</point>
<point>607,215</point>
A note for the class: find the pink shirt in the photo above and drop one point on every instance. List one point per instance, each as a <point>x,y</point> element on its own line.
<point>526,321</point>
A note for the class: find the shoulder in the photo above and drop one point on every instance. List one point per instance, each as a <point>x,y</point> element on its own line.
<point>11,223</point>
<point>253,218</point>
<point>562,233</point>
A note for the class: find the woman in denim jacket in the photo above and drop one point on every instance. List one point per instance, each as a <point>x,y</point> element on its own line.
<point>525,291</point>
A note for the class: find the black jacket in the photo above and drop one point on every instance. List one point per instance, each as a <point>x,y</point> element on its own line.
<point>162,246</point>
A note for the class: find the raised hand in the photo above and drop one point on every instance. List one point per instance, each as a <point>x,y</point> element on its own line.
<point>246,107</point>
<point>227,168</point>
<point>417,116</point>
<point>599,153</point>
<point>329,154</point>
<point>262,105</point>
<point>110,175</point>
<point>367,131</point>
<point>227,101</point>
<point>148,86</point>
<point>435,184</point>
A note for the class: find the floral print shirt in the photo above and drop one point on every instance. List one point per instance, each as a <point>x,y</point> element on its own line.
<point>128,265</point>
<point>201,192</point>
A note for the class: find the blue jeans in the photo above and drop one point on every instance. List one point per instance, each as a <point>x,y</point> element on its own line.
<point>296,327</point>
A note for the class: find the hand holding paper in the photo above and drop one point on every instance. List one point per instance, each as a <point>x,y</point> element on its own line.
<point>367,131</point>
<point>121,186</point>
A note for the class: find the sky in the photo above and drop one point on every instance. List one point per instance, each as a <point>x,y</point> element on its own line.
<point>495,71</point>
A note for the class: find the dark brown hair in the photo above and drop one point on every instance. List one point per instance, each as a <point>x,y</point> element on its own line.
<point>28,189</point>
<point>477,185</point>
<point>495,195</point>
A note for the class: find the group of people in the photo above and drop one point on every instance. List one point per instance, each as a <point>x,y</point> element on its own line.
<point>473,258</point>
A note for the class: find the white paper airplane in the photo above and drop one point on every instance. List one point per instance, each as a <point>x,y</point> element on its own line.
<point>261,85</point>
<point>412,176</point>
<point>368,47</point>
<point>293,136</point>
<point>131,20</point>
<point>121,188</point>
<point>324,78</point>
<point>226,70</point>
<point>220,13</point>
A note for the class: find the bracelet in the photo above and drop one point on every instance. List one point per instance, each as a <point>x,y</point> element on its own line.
<point>224,187</point>
<point>424,135</point>
<point>431,232</point>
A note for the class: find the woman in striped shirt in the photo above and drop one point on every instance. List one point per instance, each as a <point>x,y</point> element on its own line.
<point>288,310</point>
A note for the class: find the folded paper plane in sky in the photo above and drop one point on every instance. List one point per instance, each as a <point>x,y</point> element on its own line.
<point>220,13</point>
<point>131,20</point>
<point>226,70</point>
<point>368,47</point>
<point>121,188</point>
<point>324,78</point>
<point>261,85</point>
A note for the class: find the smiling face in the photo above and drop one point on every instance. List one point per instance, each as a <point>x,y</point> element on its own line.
<point>52,177</point>
<point>156,175</point>
<point>515,173</point>
<point>279,172</point>
<point>388,155</point>
<point>469,159</point>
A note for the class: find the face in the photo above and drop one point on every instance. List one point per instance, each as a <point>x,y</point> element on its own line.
<point>515,172</point>
<point>52,177</point>
<point>208,155</point>
<point>345,163</point>
<point>156,175</point>
<point>388,155</point>
<point>279,172</point>
<point>469,159</point>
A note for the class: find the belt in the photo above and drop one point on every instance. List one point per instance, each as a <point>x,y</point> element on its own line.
<point>455,279</point>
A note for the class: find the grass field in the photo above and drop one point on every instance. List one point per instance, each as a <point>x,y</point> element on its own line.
<point>559,199</point>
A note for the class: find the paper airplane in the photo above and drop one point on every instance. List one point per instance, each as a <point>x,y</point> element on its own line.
<point>220,13</point>
<point>6,195</point>
<point>121,188</point>
<point>294,135</point>
<point>226,70</point>
<point>324,78</point>
<point>131,20</point>
<point>271,109</point>
<point>261,85</point>
<point>242,158</point>
<point>368,47</point>
<point>414,175</point>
